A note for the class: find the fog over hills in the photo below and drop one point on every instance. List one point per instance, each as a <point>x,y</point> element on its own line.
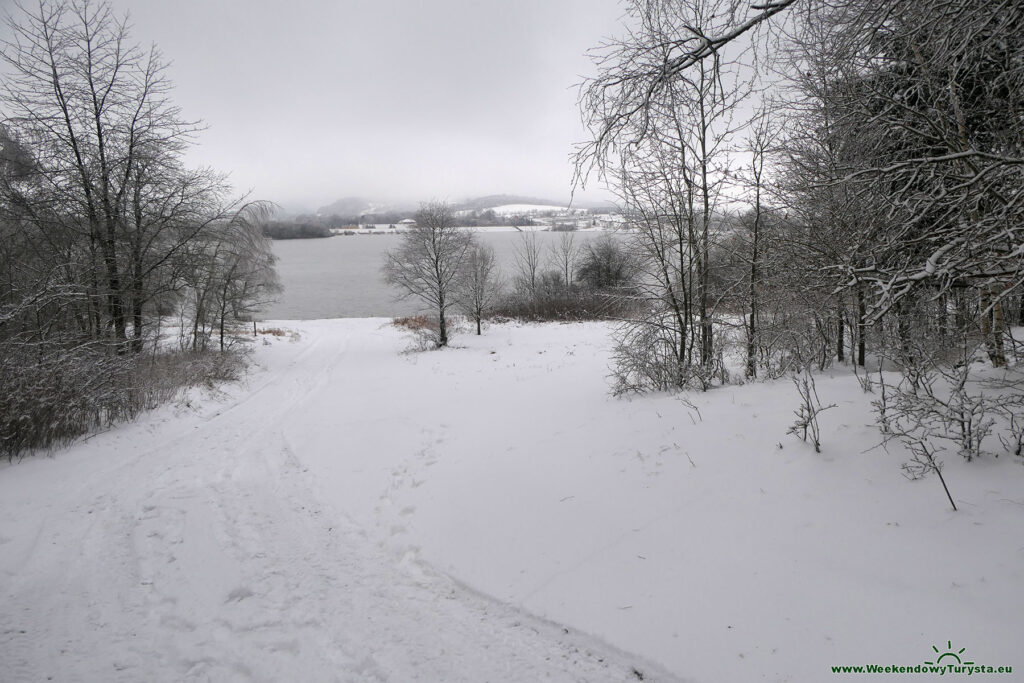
<point>357,206</point>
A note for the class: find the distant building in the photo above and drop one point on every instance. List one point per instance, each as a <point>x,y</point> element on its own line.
<point>407,223</point>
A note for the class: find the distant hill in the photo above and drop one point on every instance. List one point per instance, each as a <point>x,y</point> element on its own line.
<point>358,206</point>
<point>493,200</point>
<point>363,206</point>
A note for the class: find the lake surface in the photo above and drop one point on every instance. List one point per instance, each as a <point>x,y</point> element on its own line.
<point>340,277</point>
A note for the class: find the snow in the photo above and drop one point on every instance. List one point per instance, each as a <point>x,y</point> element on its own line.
<point>489,512</point>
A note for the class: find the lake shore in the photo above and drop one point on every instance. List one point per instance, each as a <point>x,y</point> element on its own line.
<point>341,278</point>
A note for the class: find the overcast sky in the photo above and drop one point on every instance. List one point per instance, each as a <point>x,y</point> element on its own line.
<point>311,100</point>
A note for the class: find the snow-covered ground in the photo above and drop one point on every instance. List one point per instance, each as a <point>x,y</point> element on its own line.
<point>489,512</point>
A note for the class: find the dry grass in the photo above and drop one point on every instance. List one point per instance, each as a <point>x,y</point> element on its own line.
<point>415,323</point>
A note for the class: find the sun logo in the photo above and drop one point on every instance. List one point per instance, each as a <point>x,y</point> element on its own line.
<point>949,653</point>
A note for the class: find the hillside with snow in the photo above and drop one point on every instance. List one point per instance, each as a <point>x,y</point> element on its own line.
<point>489,512</point>
<point>528,209</point>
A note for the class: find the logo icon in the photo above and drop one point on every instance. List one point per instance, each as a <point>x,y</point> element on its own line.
<point>949,653</point>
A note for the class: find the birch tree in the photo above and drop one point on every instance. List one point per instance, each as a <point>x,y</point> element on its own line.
<point>479,286</point>
<point>664,146</point>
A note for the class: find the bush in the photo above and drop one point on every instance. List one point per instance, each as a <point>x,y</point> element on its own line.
<point>424,330</point>
<point>577,305</point>
<point>605,265</point>
<point>49,397</point>
<point>651,354</point>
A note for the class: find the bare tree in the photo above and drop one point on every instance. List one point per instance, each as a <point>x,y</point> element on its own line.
<point>758,144</point>
<point>528,264</point>
<point>637,72</point>
<point>231,272</point>
<point>666,151</point>
<point>656,347</point>
<point>427,265</point>
<point>478,286</point>
<point>564,255</point>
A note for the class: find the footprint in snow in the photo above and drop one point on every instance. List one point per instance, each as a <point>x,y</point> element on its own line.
<point>239,594</point>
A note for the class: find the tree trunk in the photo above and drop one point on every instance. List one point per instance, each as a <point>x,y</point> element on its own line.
<point>861,326</point>
<point>992,327</point>
<point>705,189</point>
<point>195,326</point>
<point>903,331</point>
<point>137,325</point>
<point>840,337</point>
<point>751,348</point>
<point>115,300</point>
<point>137,297</point>
<point>442,327</point>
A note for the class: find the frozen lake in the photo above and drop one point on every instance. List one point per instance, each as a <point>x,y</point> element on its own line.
<point>340,277</point>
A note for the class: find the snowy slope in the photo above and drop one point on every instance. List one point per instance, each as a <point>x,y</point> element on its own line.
<point>361,514</point>
<point>197,546</point>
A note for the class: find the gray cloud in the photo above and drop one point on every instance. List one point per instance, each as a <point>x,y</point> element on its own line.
<point>310,100</point>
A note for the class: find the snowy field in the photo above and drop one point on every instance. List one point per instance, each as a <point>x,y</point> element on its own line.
<point>490,513</point>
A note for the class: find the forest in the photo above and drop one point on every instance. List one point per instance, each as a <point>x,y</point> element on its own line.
<point>870,157</point>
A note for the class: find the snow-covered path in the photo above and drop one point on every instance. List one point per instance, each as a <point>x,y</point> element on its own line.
<point>196,546</point>
<point>490,513</point>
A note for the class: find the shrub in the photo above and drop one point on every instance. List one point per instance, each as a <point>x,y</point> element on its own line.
<point>605,264</point>
<point>561,306</point>
<point>424,331</point>
<point>50,397</point>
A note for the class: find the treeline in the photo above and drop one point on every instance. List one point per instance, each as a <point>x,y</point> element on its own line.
<point>458,219</point>
<point>307,226</point>
<point>290,230</point>
<point>119,266</point>
<point>487,218</point>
